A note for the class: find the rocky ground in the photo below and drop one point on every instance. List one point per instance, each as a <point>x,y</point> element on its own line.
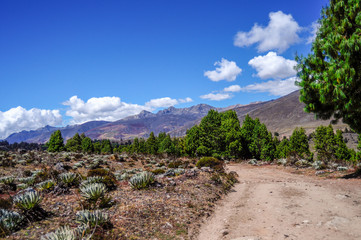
<point>276,202</point>
<point>169,209</point>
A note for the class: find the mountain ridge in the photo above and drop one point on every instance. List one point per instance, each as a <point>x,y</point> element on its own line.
<point>280,115</point>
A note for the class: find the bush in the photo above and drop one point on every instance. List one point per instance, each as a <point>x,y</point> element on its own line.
<point>141,180</point>
<point>109,179</point>
<point>210,162</point>
<point>158,171</point>
<point>69,179</point>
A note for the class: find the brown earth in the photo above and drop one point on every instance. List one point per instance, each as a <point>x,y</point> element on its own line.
<point>273,202</point>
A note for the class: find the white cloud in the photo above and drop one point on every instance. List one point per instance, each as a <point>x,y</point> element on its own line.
<point>161,102</point>
<point>314,28</point>
<point>112,108</point>
<point>19,119</point>
<point>232,88</point>
<point>185,100</point>
<point>227,70</point>
<point>272,66</point>
<point>216,96</point>
<point>273,87</point>
<point>103,108</point>
<point>280,34</point>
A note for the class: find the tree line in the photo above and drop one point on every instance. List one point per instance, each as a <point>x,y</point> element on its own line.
<point>222,136</point>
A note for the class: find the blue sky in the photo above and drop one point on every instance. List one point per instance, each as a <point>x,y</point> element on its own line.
<point>68,62</point>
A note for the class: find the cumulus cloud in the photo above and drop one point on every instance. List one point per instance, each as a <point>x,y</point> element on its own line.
<point>112,108</point>
<point>19,119</point>
<point>103,108</point>
<point>314,29</point>
<point>281,32</point>
<point>272,66</point>
<point>216,96</point>
<point>273,87</point>
<point>226,70</point>
<point>232,88</point>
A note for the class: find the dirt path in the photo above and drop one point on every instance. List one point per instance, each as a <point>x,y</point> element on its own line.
<point>272,203</point>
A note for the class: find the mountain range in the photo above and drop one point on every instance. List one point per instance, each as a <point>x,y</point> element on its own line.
<point>281,115</point>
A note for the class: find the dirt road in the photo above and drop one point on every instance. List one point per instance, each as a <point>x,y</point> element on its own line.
<point>270,202</point>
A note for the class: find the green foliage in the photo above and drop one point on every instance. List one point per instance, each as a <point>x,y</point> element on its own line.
<point>56,142</point>
<point>257,140</point>
<point>141,180</point>
<point>342,152</point>
<point>151,144</point>
<point>329,146</point>
<point>209,162</point>
<point>106,147</point>
<point>166,145</point>
<point>74,144</point>
<point>9,221</point>
<point>87,145</point>
<point>108,177</point>
<point>62,233</point>
<point>28,200</point>
<point>283,148</point>
<point>330,75</point>
<point>299,143</point>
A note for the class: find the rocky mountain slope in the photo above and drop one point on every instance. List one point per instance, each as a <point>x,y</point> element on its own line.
<point>281,115</point>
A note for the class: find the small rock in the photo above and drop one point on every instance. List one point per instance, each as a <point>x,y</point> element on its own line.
<point>224,232</point>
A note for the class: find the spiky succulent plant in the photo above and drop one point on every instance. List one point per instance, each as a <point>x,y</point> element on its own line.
<point>69,179</point>
<point>45,185</point>
<point>28,200</point>
<point>9,221</point>
<point>62,233</point>
<point>141,180</point>
<point>92,218</point>
<point>93,191</point>
<point>7,180</point>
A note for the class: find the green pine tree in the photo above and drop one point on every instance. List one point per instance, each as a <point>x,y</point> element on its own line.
<point>56,142</point>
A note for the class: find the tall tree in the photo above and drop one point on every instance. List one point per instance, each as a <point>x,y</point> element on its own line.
<point>331,74</point>
<point>87,145</point>
<point>56,142</point>
<point>74,144</point>
<point>299,143</point>
<point>151,144</point>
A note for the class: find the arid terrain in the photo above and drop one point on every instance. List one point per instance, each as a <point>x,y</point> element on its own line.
<point>274,202</point>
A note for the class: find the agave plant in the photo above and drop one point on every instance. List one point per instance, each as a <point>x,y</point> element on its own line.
<point>27,180</point>
<point>28,201</point>
<point>69,179</point>
<point>90,180</point>
<point>9,221</point>
<point>93,191</point>
<point>141,180</point>
<point>93,218</point>
<point>46,185</point>
<point>8,180</point>
<point>62,233</point>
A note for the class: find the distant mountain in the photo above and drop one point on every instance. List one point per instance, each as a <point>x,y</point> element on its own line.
<point>281,115</point>
<point>42,135</point>
<point>139,125</point>
<point>284,114</point>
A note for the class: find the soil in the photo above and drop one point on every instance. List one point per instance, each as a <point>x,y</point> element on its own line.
<point>274,202</point>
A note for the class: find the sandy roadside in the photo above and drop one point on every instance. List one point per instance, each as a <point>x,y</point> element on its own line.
<point>272,203</point>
